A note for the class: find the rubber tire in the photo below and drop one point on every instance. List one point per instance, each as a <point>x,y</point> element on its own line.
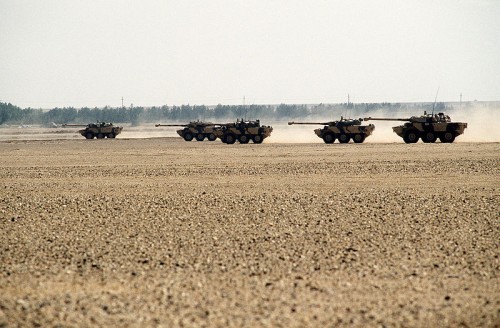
<point>447,137</point>
<point>244,139</point>
<point>211,137</point>
<point>358,138</point>
<point>344,138</point>
<point>111,135</point>
<point>188,136</point>
<point>329,138</point>
<point>258,139</point>
<point>89,135</point>
<point>200,137</point>
<point>230,139</point>
<point>429,137</point>
<point>411,136</point>
<point>100,136</point>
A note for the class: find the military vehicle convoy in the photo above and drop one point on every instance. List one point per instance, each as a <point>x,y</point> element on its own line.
<point>98,130</point>
<point>343,130</point>
<point>198,130</point>
<point>243,131</point>
<point>427,127</point>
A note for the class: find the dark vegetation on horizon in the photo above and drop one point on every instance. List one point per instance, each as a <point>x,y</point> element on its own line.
<point>11,114</point>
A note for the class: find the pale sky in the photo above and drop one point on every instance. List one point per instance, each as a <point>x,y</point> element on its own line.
<point>56,53</point>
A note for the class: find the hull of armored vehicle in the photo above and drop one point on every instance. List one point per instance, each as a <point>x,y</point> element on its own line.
<point>430,132</point>
<point>105,131</point>
<point>243,133</point>
<point>199,133</point>
<point>344,134</point>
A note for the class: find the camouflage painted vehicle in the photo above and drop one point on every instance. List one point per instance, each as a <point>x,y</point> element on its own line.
<point>343,130</point>
<point>428,127</point>
<point>243,131</point>
<point>196,130</point>
<point>98,130</point>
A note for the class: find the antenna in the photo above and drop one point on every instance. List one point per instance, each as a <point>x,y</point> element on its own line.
<point>433,106</point>
<point>122,101</point>
<point>245,108</point>
<point>347,107</point>
<point>350,109</point>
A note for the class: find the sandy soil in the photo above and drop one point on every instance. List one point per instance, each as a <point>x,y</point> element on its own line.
<point>162,232</point>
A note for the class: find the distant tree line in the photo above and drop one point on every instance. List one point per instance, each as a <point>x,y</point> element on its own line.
<point>11,114</point>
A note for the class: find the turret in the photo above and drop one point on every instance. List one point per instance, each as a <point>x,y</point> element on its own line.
<point>90,125</point>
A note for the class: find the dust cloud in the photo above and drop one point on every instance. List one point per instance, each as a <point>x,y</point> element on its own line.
<point>284,133</point>
<point>148,131</point>
<point>482,123</point>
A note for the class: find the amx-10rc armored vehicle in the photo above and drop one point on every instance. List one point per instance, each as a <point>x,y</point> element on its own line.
<point>428,127</point>
<point>98,130</point>
<point>196,130</point>
<point>343,130</point>
<point>243,131</point>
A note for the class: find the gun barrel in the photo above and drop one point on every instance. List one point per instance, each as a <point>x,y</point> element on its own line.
<point>385,119</point>
<point>307,123</point>
<point>75,125</point>
<point>157,125</point>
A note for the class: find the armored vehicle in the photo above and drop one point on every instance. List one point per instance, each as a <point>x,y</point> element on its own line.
<point>243,131</point>
<point>196,130</point>
<point>343,130</point>
<point>98,130</point>
<point>428,127</point>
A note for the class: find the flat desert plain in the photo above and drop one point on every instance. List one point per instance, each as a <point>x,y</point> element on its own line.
<point>161,232</point>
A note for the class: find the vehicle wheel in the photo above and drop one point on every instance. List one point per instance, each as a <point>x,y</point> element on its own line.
<point>429,137</point>
<point>344,138</point>
<point>411,136</point>
<point>89,135</point>
<point>100,136</point>
<point>211,137</point>
<point>244,139</point>
<point>447,137</point>
<point>111,135</point>
<point>358,138</point>
<point>329,138</point>
<point>230,139</point>
<point>258,139</point>
<point>200,137</point>
<point>188,136</point>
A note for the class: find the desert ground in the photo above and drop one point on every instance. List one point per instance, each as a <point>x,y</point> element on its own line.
<point>166,233</point>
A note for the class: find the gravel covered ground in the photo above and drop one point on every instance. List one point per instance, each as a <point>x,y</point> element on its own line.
<point>162,232</point>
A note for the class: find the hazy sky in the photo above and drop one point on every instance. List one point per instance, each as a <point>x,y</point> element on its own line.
<point>56,53</point>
